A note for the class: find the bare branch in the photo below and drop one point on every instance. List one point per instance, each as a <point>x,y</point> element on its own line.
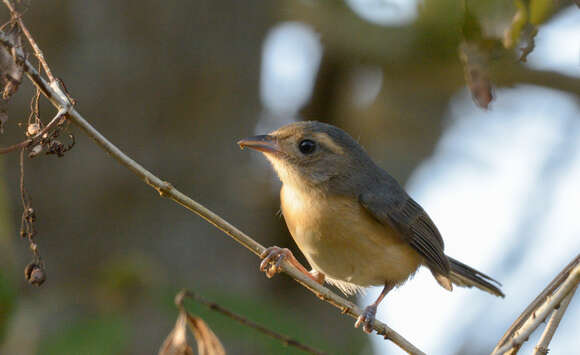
<point>59,99</point>
<point>520,334</point>
<point>542,347</point>
<point>552,286</point>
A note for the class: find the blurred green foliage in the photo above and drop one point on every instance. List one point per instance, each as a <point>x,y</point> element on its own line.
<point>7,302</point>
<point>106,335</point>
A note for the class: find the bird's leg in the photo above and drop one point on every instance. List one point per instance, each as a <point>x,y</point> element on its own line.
<point>272,258</point>
<point>318,276</point>
<point>367,318</point>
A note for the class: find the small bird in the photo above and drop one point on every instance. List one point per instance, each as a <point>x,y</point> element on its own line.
<point>353,222</point>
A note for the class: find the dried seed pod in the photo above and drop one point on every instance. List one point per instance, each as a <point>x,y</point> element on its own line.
<point>37,149</point>
<point>32,129</point>
<point>34,274</point>
<point>30,214</point>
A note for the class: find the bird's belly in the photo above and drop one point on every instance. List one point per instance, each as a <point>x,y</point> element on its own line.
<point>341,240</point>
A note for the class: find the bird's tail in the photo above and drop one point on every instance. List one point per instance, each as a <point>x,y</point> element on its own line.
<point>466,276</point>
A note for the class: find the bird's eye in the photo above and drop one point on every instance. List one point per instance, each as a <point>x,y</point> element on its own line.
<point>307,146</point>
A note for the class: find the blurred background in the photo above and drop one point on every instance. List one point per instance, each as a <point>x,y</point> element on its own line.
<point>176,84</point>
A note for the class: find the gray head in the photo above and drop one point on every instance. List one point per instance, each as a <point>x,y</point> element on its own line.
<point>312,154</point>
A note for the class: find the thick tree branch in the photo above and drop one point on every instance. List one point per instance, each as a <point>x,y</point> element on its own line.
<point>55,94</point>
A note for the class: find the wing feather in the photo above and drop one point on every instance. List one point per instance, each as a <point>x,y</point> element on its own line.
<point>402,213</point>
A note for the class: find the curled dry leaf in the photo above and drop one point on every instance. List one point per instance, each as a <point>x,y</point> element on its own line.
<point>176,342</point>
<point>524,26</point>
<point>11,69</point>
<point>207,342</point>
<point>528,41</point>
<point>475,67</point>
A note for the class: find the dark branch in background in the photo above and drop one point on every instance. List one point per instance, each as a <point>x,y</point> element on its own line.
<point>238,318</point>
<point>56,94</point>
<point>549,299</point>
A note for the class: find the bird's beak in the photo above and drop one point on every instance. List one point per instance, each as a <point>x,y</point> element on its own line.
<point>263,143</point>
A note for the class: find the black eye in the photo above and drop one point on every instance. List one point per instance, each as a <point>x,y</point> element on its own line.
<point>307,146</point>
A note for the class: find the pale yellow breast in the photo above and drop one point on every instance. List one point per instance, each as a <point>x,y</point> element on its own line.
<point>340,239</point>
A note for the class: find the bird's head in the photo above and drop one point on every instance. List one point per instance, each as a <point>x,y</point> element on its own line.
<point>309,153</point>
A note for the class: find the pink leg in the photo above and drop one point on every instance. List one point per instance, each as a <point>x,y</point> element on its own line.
<point>367,318</point>
<point>272,258</point>
<point>318,276</point>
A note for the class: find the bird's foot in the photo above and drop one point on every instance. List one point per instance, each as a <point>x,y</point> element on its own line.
<point>317,276</point>
<point>367,319</point>
<point>272,260</point>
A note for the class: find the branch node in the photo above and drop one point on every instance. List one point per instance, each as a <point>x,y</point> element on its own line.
<point>59,90</point>
<point>164,189</point>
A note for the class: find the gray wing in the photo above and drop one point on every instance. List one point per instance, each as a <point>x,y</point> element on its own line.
<point>396,209</point>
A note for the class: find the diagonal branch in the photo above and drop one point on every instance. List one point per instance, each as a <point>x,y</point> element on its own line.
<point>540,308</point>
<point>553,323</point>
<point>552,286</point>
<point>57,97</point>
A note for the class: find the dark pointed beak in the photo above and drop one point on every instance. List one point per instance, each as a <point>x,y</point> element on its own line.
<point>263,143</point>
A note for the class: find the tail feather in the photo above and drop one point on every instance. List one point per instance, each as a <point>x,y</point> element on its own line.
<point>466,276</point>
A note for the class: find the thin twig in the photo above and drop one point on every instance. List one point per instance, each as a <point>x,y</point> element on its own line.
<point>16,16</point>
<point>216,307</point>
<point>165,189</point>
<point>533,306</point>
<point>553,323</point>
<point>540,314</point>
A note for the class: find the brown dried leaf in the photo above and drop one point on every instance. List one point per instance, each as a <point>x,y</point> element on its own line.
<point>11,69</point>
<point>176,342</point>
<point>207,342</point>
<point>475,62</point>
<point>528,40</point>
